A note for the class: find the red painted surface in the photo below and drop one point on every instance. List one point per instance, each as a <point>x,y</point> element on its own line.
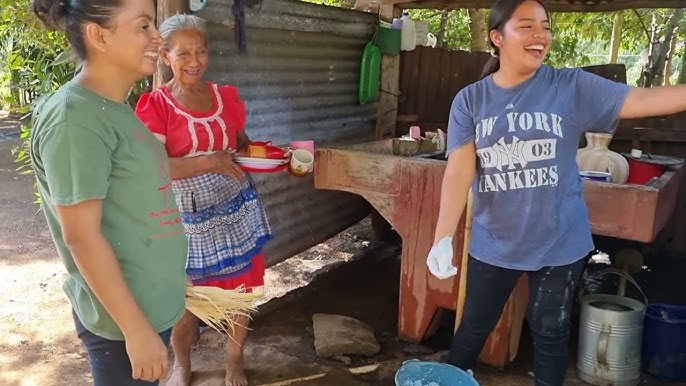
<point>406,191</point>
<point>633,212</point>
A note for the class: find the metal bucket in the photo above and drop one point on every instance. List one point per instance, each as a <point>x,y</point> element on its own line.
<point>610,335</point>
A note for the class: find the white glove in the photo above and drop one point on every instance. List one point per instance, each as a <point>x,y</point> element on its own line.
<point>440,260</point>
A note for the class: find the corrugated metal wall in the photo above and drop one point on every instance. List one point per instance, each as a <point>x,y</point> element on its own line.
<point>299,79</point>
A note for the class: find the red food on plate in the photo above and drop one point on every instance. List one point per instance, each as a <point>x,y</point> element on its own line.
<point>260,149</point>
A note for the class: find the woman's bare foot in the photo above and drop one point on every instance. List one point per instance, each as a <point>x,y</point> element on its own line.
<point>184,334</point>
<point>235,374</point>
<point>181,376</point>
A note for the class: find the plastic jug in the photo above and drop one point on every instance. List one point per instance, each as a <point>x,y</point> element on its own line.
<point>409,40</point>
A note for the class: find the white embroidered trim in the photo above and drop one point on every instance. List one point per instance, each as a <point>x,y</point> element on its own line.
<point>205,122</point>
<point>219,220</point>
<point>162,138</point>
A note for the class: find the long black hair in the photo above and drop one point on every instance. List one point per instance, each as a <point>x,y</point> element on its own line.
<point>501,13</point>
<point>70,16</point>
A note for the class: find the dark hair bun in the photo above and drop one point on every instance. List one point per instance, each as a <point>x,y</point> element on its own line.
<point>51,12</point>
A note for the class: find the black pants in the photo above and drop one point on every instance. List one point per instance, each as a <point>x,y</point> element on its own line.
<point>110,364</point>
<point>552,291</point>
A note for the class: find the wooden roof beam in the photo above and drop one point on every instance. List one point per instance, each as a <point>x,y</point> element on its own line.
<point>553,5</point>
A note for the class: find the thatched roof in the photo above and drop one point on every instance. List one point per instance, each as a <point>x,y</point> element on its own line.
<point>553,5</point>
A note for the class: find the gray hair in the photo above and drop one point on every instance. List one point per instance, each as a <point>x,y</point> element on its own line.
<point>181,22</point>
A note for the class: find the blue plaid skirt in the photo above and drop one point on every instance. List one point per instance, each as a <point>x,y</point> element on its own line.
<point>225,222</point>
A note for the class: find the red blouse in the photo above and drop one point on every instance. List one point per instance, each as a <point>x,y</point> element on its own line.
<point>187,133</point>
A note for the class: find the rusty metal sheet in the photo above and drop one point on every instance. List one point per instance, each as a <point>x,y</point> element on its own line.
<point>299,79</point>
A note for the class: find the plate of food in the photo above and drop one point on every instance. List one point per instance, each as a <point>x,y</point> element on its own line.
<point>264,165</point>
<point>261,161</point>
<point>262,168</point>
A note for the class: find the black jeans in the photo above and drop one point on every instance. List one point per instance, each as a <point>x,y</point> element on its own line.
<point>552,291</point>
<point>110,364</point>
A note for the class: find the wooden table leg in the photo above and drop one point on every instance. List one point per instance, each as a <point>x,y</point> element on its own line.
<point>462,291</point>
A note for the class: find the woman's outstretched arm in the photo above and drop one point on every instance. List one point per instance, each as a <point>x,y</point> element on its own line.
<point>654,101</point>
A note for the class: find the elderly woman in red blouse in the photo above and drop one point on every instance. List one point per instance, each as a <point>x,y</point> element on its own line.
<point>201,125</point>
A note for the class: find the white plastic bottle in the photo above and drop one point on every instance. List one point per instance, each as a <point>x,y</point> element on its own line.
<point>408,39</point>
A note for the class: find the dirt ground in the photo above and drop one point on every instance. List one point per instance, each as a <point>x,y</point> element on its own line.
<point>349,275</point>
<point>37,343</point>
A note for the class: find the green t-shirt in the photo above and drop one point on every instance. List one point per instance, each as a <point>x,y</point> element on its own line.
<point>86,147</point>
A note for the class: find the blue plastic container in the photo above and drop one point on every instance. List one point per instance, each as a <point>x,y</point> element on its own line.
<point>664,341</point>
<point>426,373</point>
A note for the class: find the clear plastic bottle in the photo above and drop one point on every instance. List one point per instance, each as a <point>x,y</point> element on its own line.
<point>408,40</point>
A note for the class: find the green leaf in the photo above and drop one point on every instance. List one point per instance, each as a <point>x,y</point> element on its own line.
<point>63,58</point>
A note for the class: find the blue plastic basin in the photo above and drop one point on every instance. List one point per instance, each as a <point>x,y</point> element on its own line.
<point>426,373</point>
<point>664,341</point>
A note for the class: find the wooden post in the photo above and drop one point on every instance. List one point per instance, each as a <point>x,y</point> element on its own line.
<point>616,38</point>
<point>165,9</point>
<point>390,85</point>
<point>462,289</point>
<point>387,113</point>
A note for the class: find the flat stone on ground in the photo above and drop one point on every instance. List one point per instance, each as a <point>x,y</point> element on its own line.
<point>336,335</point>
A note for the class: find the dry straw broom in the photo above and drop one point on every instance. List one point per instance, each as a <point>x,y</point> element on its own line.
<point>220,308</point>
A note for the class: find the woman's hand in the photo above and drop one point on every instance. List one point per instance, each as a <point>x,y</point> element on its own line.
<point>223,163</point>
<point>95,259</point>
<point>148,355</point>
<point>242,152</point>
<point>440,259</point>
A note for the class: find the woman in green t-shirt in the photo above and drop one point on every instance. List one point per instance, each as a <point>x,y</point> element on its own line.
<point>106,189</point>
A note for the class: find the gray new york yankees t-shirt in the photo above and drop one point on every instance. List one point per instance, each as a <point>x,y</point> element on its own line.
<point>529,210</point>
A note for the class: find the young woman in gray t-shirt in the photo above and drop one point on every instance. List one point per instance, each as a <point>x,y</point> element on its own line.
<point>522,122</point>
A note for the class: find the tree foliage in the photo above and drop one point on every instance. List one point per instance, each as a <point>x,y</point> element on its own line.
<point>34,61</point>
<point>579,39</point>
